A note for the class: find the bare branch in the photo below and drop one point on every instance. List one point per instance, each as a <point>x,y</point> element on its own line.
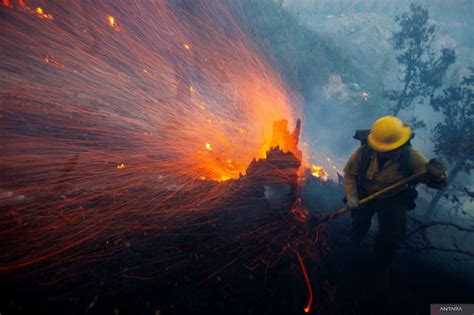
<point>422,242</point>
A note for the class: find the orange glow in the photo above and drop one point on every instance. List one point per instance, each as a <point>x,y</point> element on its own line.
<point>224,178</point>
<point>113,23</point>
<point>157,95</point>
<point>307,309</point>
<point>319,172</point>
<point>40,12</point>
<point>6,3</point>
<point>103,106</point>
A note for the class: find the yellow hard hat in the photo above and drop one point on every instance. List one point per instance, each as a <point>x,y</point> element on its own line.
<point>388,133</point>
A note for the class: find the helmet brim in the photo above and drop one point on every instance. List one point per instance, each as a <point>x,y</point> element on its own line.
<point>385,147</point>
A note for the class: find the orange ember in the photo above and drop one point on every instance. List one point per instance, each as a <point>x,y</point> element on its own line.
<point>113,23</point>
<point>39,11</point>
<point>173,95</point>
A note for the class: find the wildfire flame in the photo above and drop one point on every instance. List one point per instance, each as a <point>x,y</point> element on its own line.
<point>319,172</point>
<point>109,97</point>
<point>77,98</point>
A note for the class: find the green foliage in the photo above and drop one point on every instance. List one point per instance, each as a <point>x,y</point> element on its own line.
<point>423,68</point>
<point>454,136</point>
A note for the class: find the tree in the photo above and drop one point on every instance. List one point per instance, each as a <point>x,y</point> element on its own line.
<point>423,66</point>
<point>453,137</point>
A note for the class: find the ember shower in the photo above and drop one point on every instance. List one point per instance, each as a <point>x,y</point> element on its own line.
<point>112,114</point>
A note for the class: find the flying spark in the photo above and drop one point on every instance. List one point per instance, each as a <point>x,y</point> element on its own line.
<point>113,23</point>
<point>76,100</point>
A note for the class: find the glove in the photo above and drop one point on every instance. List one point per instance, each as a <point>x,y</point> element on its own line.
<point>352,202</point>
<point>436,170</point>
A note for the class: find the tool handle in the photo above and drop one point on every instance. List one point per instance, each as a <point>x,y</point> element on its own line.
<point>375,195</point>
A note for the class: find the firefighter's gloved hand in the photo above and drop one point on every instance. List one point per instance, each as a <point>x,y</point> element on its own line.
<point>352,202</point>
<point>436,170</point>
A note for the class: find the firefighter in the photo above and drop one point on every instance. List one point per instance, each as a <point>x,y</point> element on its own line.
<point>384,157</point>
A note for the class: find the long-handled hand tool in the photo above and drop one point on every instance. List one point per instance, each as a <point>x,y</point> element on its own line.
<point>386,190</point>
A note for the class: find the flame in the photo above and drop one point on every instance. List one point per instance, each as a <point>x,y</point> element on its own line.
<point>319,172</point>
<point>103,106</point>
<point>224,178</point>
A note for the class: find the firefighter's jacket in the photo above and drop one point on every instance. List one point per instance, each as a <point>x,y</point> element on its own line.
<point>390,173</point>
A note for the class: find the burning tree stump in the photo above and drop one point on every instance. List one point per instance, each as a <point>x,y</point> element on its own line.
<point>277,174</point>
